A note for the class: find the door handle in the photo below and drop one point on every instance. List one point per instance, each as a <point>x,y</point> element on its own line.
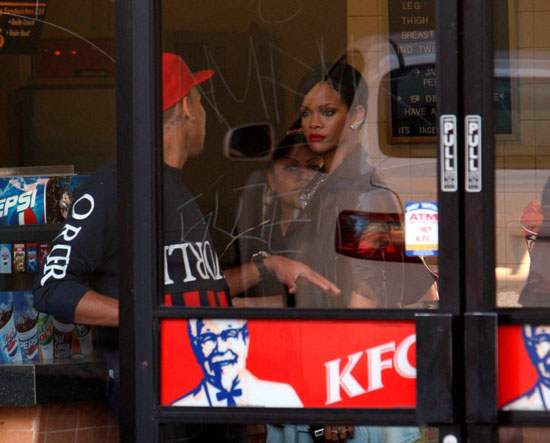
<point>448,147</point>
<point>473,146</point>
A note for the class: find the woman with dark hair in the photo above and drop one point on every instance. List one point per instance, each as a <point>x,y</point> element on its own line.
<point>332,102</point>
<point>332,113</point>
<point>291,168</point>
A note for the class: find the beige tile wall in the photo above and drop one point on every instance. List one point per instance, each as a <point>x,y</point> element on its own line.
<point>526,159</point>
<point>59,423</point>
<point>523,163</point>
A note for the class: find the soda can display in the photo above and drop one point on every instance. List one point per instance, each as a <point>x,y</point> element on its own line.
<point>22,201</point>
<point>26,324</point>
<point>32,257</point>
<point>19,257</point>
<point>62,339</point>
<point>45,336</point>
<point>9,343</point>
<point>36,200</point>
<point>43,251</point>
<point>5,258</point>
<point>84,335</point>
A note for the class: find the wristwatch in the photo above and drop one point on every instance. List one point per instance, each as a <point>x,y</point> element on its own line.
<point>258,259</point>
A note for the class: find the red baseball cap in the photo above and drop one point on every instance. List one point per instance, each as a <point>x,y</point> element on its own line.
<point>177,79</point>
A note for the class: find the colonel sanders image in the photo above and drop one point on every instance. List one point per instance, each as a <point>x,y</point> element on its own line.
<point>221,348</point>
<point>537,344</point>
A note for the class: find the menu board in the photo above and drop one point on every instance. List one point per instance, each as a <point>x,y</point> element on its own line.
<point>413,75</point>
<point>20,25</point>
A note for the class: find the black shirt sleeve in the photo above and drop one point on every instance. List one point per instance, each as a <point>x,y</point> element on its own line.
<point>79,250</point>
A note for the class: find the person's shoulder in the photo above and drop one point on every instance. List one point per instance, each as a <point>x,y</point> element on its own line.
<point>103,176</point>
<point>107,172</point>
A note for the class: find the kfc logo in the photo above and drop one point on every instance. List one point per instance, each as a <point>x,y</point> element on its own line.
<point>537,345</point>
<point>221,348</point>
<point>379,358</point>
<point>288,363</point>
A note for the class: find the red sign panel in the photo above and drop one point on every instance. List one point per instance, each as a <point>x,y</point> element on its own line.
<point>288,363</point>
<point>524,367</point>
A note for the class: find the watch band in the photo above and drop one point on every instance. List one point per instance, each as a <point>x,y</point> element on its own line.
<point>258,259</point>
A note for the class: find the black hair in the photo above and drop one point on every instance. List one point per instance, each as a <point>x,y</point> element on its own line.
<point>343,78</point>
<point>285,146</point>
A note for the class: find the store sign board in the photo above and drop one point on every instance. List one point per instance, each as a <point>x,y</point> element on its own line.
<point>524,367</point>
<point>288,363</point>
<point>421,229</point>
<point>413,77</point>
<point>20,25</point>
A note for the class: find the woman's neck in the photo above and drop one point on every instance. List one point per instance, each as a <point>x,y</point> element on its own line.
<point>287,215</point>
<point>334,158</point>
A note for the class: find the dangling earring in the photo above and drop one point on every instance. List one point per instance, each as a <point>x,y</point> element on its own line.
<point>269,197</point>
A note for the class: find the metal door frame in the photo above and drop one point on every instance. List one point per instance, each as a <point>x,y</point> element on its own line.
<point>467,306</point>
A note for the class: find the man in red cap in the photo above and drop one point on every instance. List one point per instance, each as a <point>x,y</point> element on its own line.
<point>78,281</point>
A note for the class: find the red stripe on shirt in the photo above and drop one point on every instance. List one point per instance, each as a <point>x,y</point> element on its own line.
<point>192,298</point>
<point>211,298</point>
<point>222,299</point>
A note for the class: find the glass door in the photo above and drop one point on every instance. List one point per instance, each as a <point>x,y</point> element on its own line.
<point>521,196</point>
<point>332,147</point>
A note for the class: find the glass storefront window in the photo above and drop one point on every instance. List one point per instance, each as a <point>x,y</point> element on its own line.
<point>57,125</point>
<point>521,159</point>
<point>350,99</point>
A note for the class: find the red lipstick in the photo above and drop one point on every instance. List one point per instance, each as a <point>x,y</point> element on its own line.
<point>315,138</point>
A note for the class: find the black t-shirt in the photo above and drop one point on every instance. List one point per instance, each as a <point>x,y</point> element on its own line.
<point>84,255</point>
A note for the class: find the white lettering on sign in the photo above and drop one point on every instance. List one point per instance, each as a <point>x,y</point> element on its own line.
<point>448,147</point>
<point>379,359</point>
<point>411,5</point>
<point>431,130</point>
<point>473,145</point>
<point>377,364</point>
<point>22,202</point>
<point>421,228</point>
<point>344,379</point>
<point>416,20</point>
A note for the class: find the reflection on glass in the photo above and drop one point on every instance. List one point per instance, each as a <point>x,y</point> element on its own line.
<point>333,108</point>
<point>522,434</point>
<point>522,85</point>
<point>342,150</point>
<point>338,179</point>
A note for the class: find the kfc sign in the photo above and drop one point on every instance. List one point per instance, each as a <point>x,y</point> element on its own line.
<point>524,368</point>
<point>378,358</point>
<point>288,363</point>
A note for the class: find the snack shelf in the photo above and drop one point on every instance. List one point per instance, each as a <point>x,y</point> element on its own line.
<point>28,233</point>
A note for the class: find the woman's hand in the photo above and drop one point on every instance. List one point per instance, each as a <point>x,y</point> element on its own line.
<point>339,433</point>
<point>288,271</point>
